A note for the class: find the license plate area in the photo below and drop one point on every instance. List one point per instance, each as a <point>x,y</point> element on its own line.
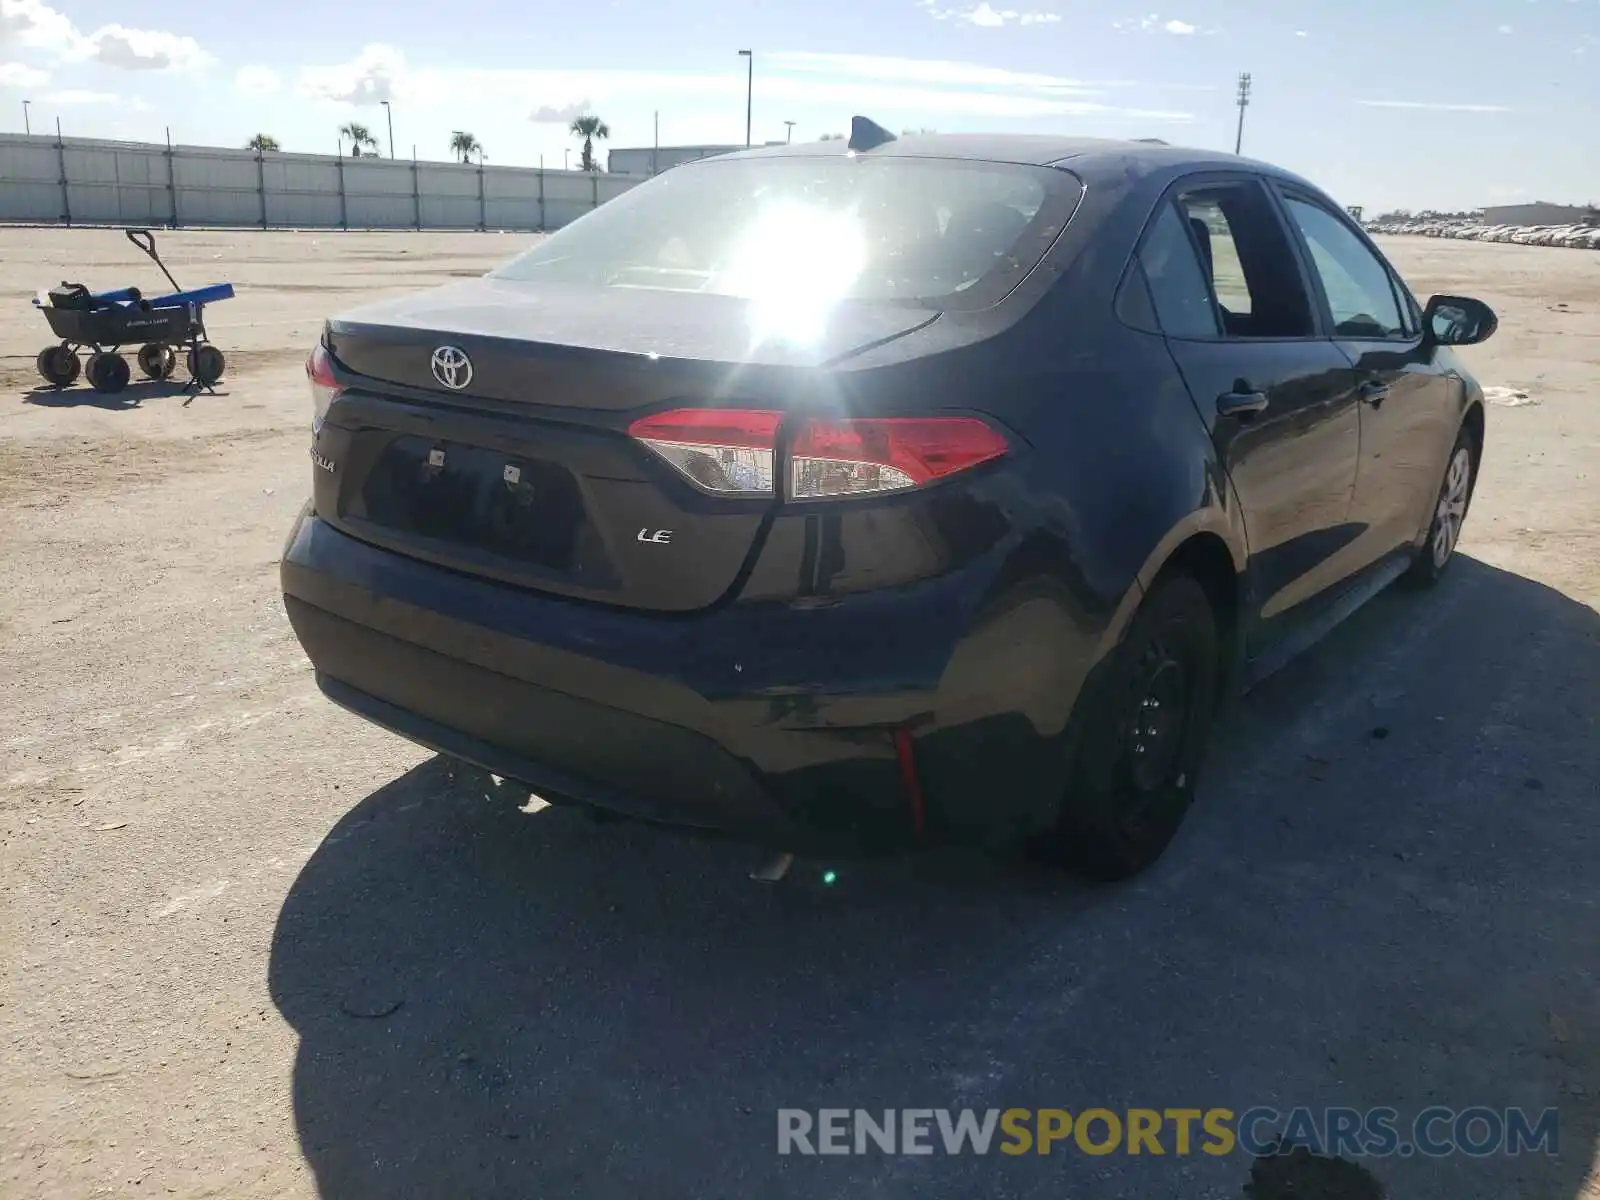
<point>526,510</point>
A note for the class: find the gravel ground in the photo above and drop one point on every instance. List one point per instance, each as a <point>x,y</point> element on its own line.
<point>256,948</point>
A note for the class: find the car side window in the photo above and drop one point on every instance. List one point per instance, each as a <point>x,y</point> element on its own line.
<point>1361,295</point>
<point>1220,253</point>
<point>1248,261</point>
<point>1178,287</point>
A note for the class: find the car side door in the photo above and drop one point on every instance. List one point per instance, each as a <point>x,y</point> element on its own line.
<point>1232,300</point>
<point>1408,396</point>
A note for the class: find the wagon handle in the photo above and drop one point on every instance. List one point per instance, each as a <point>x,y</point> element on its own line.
<point>146,241</point>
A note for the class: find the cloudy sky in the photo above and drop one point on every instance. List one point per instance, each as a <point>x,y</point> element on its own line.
<point>1426,103</point>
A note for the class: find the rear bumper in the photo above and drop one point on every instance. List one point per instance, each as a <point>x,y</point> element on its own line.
<point>704,721</point>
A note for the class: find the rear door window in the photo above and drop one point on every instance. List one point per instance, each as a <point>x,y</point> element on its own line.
<point>1249,261</point>
<point>1219,264</point>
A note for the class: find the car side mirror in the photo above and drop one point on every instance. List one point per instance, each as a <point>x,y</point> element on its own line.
<point>1458,321</point>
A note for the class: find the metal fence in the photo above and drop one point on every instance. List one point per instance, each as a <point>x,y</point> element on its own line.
<point>46,179</point>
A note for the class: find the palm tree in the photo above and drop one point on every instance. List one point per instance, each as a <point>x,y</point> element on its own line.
<point>465,145</point>
<point>589,128</point>
<point>263,141</point>
<point>359,136</point>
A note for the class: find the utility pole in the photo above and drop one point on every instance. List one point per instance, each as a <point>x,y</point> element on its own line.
<point>1244,103</point>
<point>27,125</point>
<point>655,147</point>
<point>389,112</point>
<point>788,132</point>
<point>749,91</point>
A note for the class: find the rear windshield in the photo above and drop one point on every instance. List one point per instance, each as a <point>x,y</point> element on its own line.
<point>938,233</point>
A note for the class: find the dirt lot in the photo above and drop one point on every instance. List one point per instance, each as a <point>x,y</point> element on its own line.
<point>255,948</point>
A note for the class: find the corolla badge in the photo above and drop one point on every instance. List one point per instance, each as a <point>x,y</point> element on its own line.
<point>452,367</point>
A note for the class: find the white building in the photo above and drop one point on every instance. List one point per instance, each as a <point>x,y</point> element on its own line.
<point>1537,213</point>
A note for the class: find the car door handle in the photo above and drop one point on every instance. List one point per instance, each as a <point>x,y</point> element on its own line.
<point>1374,392</point>
<point>1241,403</point>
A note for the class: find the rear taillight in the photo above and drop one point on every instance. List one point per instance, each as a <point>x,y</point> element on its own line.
<point>885,454</point>
<point>728,451</point>
<point>731,452</point>
<point>325,388</point>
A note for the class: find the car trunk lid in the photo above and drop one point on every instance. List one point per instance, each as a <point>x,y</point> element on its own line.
<point>524,471</point>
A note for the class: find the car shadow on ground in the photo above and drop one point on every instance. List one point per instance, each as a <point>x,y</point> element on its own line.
<point>1385,897</point>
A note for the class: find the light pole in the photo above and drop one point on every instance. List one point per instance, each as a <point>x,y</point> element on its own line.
<point>566,159</point>
<point>788,132</point>
<point>389,112</point>
<point>749,90</point>
<point>27,125</point>
<point>1244,103</point>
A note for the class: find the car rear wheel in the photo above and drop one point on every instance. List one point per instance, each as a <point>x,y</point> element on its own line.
<point>1449,512</point>
<point>1140,734</point>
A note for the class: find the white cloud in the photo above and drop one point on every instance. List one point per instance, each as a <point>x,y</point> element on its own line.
<point>986,15</point>
<point>20,75</point>
<point>370,78</point>
<point>1505,29</point>
<point>257,81</point>
<point>80,96</point>
<point>145,49</point>
<point>1433,106</point>
<point>36,26</point>
<point>565,114</point>
<point>1301,33</point>
<point>1152,23</point>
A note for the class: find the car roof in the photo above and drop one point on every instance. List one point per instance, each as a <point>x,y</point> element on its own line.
<point>1085,157</point>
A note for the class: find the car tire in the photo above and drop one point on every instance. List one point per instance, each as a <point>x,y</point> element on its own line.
<point>1449,512</point>
<point>1139,735</point>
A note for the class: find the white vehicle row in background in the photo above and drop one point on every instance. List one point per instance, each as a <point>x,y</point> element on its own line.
<point>1574,237</point>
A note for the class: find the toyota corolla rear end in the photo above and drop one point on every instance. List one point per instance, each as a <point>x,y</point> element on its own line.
<point>693,511</point>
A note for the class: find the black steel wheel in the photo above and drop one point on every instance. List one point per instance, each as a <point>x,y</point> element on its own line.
<point>1139,735</point>
<point>206,364</point>
<point>107,372</point>
<point>157,362</point>
<point>58,366</point>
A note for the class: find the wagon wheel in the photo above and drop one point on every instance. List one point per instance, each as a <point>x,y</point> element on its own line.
<point>58,366</point>
<point>156,361</point>
<point>107,372</point>
<point>206,364</point>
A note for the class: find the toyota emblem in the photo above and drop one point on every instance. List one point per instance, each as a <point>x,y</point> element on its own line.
<point>452,367</point>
